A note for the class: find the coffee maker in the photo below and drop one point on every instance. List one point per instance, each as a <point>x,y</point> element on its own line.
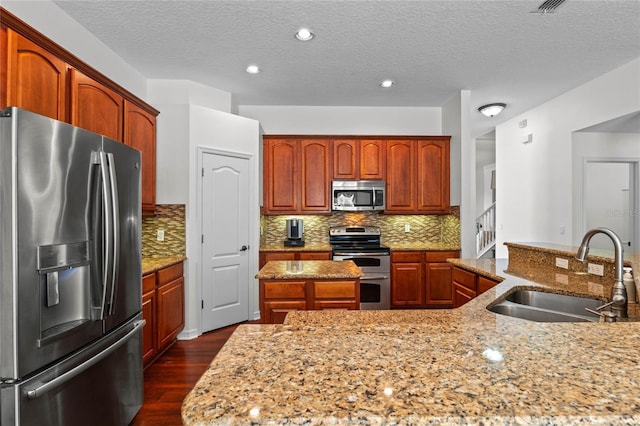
<point>294,233</point>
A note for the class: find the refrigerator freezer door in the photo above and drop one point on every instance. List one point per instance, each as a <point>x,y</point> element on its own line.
<point>99,385</point>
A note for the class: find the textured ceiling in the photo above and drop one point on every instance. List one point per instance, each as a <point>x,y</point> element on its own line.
<point>498,50</point>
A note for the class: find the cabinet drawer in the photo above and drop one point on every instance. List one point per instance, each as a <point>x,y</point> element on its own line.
<point>406,257</point>
<point>465,278</point>
<point>318,255</point>
<point>441,256</point>
<point>334,289</point>
<point>170,273</point>
<point>148,283</point>
<point>284,290</point>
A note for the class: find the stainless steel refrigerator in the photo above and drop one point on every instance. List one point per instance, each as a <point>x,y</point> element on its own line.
<point>70,271</point>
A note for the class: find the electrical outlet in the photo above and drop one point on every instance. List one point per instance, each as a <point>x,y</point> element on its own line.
<point>407,227</point>
<point>562,263</point>
<point>160,235</point>
<point>595,269</point>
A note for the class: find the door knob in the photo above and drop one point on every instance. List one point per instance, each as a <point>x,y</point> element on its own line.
<point>244,248</point>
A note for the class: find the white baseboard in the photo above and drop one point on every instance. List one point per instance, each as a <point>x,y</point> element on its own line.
<point>188,334</point>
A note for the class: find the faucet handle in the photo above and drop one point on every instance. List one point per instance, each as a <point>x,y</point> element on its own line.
<point>608,316</point>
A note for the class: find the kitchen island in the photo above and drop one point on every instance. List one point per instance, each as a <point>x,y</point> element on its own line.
<point>291,285</point>
<point>460,366</point>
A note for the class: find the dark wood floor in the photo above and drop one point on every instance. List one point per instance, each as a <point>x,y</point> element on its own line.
<point>168,381</point>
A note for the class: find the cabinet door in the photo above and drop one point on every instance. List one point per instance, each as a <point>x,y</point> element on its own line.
<point>36,79</point>
<point>170,311</point>
<point>149,343</point>
<point>461,295</point>
<point>276,311</point>
<point>485,284</point>
<point>439,291</point>
<point>401,176</point>
<point>140,133</point>
<point>281,186</point>
<point>314,177</point>
<point>95,107</point>
<point>372,159</point>
<point>407,288</point>
<point>433,175</point>
<point>345,159</point>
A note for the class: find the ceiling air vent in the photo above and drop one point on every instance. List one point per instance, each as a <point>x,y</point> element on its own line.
<point>549,6</point>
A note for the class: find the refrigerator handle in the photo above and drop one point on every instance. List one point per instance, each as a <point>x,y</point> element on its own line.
<point>115,254</point>
<point>107,234</point>
<point>40,390</point>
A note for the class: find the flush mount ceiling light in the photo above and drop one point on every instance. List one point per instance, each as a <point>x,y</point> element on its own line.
<point>492,110</point>
<point>253,69</point>
<point>304,34</point>
<point>386,84</point>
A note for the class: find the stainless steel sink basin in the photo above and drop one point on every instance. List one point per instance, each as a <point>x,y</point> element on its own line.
<point>542,306</point>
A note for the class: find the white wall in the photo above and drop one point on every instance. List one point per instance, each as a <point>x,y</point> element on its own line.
<point>310,120</point>
<point>456,123</point>
<point>603,146</point>
<point>50,20</point>
<point>534,185</point>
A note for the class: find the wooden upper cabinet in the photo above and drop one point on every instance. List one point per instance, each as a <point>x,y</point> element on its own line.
<point>315,178</point>
<point>372,159</point>
<point>433,175</point>
<point>281,186</point>
<point>345,159</point>
<point>358,159</point>
<point>95,107</point>
<point>140,133</point>
<point>35,78</point>
<point>401,166</point>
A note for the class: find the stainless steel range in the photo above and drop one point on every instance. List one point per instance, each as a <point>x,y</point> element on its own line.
<point>362,246</point>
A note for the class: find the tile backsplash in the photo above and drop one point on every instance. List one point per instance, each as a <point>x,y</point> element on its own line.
<point>169,218</point>
<point>424,228</point>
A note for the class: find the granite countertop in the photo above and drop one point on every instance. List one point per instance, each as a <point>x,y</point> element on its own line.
<point>151,264</point>
<point>458,366</point>
<point>308,269</point>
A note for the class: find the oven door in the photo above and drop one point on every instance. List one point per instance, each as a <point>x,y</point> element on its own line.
<point>375,285</point>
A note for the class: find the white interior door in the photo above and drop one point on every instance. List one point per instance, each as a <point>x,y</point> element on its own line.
<point>225,240</point>
<point>610,202</point>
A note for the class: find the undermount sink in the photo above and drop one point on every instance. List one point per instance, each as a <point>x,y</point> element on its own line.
<point>542,306</point>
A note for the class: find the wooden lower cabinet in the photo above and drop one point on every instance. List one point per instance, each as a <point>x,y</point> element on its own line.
<point>467,285</point>
<point>266,256</point>
<point>421,279</point>
<point>279,297</point>
<point>163,310</point>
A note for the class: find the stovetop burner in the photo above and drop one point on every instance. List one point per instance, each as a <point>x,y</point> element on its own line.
<point>361,239</point>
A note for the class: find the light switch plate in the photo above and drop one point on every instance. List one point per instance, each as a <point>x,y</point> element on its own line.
<point>407,227</point>
<point>595,269</point>
<point>562,263</point>
<point>160,235</point>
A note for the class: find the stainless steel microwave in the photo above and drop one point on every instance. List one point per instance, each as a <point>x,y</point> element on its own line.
<point>358,195</point>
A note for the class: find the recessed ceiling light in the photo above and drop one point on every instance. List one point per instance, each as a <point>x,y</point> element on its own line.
<point>253,69</point>
<point>387,83</point>
<point>304,34</point>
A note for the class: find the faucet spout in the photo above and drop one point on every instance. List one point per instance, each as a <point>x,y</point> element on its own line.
<point>618,291</point>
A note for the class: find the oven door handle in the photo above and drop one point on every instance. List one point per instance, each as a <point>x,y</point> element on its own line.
<point>351,253</point>
<point>373,277</point>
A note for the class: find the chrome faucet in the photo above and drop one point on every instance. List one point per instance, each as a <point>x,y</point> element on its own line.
<point>618,301</point>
